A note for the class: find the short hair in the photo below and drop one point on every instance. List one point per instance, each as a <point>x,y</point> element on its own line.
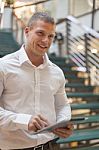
<point>44,16</point>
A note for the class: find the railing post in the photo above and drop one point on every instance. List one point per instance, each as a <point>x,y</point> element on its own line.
<point>18,29</point>
<point>0,19</point>
<point>1,11</point>
<point>22,36</point>
<point>93,14</point>
<point>60,40</point>
<point>67,38</point>
<point>86,58</point>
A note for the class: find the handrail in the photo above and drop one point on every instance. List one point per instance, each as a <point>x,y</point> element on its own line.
<point>22,23</point>
<point>1,11</point>
<point>79,16</point>
<point>18,29</point>
<point>87,29</point>
<point>32,3</point>
<point>82,45</point>
<point>0,18</point>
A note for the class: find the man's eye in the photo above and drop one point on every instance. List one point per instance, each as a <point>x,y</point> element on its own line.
<point>51,36</point>
<point>40,33</point>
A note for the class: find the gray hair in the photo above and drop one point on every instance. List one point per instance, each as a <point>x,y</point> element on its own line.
<point>44,16</point>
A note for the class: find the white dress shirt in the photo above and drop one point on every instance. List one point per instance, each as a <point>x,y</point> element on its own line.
<point>25,91</point>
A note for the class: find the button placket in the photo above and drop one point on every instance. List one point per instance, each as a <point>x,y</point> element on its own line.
<point>37,91</point>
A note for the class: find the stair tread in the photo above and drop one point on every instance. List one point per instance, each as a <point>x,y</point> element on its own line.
<point>76,94</point>
<point>94,105</point>
<point>7,43</point>
<point>80,135</point>
<point>78,85</point>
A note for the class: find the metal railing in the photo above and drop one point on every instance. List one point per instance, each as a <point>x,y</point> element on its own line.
<point>82,45</point>
<point>18,29</point>
<point>0,18</point>
<point>1,11</point>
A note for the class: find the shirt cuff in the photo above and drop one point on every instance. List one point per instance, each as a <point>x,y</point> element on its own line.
<point>22,121</point>
<point>63,118</point>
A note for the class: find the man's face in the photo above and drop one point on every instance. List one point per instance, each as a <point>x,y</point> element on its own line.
<point>39,37</point>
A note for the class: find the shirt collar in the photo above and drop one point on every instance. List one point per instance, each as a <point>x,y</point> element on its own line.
<point>24,58</point>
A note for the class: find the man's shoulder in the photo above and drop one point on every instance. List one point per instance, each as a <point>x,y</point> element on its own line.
<point>55,67</point>
<point>9,58</point>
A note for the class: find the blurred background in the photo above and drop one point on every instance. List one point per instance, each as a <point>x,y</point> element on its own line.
<point>75,50</point>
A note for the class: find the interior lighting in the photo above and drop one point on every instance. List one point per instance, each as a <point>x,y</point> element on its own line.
<point>94,50</point>
<point>80,47</point>
<point>33,7</point>
<point>2,7</point>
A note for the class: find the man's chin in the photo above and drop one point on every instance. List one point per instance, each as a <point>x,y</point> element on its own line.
<point>42,51</point>
<point>40,54</point>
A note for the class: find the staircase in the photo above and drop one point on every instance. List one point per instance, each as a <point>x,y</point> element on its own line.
<point>84,100</point>
<point>7,43</point>
<point>84,97</point>
<point>77,87</point>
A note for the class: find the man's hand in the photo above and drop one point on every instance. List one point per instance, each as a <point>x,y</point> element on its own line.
<point>64,132</point>
<point>36,123</point>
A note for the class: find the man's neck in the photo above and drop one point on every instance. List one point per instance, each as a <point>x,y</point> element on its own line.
<point>37,61</point>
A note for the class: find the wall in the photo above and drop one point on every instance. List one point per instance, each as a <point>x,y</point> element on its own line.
<point>7,18</point>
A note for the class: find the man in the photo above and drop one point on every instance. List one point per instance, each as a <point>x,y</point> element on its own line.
<point>32,93</point>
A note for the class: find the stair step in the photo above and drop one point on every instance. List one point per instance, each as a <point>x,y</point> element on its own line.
<point>53,59</point>
<point>89,119</point>
<point>83,95</point>
<point>69,71</point>
<point>95,147</point>
<point>80,135</point>
<point>71,76</point>
<point>7,43</point>
<point>85,106</point>
<point>75,79</point>
<point>75,85</point>
<point>60,64</point>
<point>66,65</point>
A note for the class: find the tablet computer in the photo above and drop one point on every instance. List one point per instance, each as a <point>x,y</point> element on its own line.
<point>61,124</point>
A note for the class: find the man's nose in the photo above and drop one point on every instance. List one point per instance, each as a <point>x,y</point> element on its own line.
<point>45,39</point>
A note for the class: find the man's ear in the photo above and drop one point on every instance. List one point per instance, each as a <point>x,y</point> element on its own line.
<point>27,29</point>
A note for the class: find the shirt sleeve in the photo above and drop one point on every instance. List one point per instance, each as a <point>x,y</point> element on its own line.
<point>8,119</point>
<point>13,121</point>
<point>62,105</point>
